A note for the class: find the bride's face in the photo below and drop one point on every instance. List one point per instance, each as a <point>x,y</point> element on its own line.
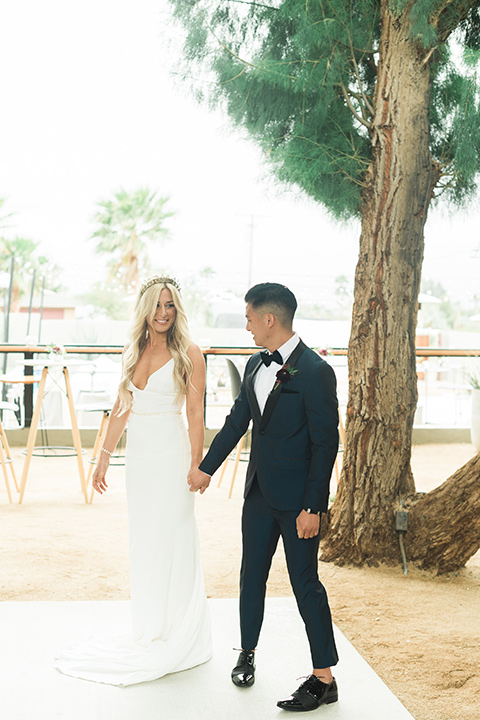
<point>165,313</point>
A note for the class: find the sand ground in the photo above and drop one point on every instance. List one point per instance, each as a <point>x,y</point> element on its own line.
<point>419,632</point>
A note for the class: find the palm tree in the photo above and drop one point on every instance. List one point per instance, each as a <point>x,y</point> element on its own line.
<point>24,251</point>
<point>125,226</point>
<point>4,218</point>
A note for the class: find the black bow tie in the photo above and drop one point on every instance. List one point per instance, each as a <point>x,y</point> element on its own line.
<point>268,358</point>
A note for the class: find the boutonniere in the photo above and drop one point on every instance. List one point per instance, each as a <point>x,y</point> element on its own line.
<point>284,375</point>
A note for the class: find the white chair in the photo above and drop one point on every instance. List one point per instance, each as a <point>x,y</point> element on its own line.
<point>5,453</point>
<point>235,382</point>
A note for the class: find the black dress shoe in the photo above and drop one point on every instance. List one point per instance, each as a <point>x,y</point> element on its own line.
<point>310,695</point>
<point>243,674</point>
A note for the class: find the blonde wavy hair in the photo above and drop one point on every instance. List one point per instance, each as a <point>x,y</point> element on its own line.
<point>178,341</point>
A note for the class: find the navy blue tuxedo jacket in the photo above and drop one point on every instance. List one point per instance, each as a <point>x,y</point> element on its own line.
<point>294,442</point>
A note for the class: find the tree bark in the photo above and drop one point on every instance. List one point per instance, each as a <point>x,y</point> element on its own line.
<point>382,373</point>
<point>444,526</point>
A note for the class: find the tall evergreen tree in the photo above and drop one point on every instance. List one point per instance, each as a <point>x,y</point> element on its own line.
<point>126,225</point>
<point>361,104</point>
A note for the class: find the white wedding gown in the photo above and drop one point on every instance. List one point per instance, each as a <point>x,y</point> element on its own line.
<point>171,624</point>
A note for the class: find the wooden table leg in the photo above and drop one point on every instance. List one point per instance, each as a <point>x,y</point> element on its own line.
<point>225,463</point>
<point>75,434</point>
<point>237,459</point>
<point>32,433</point>
<point>8,454</point>
<point>5,475</point>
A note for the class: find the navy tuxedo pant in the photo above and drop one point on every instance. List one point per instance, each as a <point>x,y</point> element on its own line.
<point>262,526</point>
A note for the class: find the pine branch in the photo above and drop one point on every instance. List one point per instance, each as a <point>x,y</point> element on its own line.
<point>331,152</point>
<point>357,74</point>
<point>359,98</point>
<point>230,52</point>
<point>254,4</point>
<point>239,74</point>
<point>350,140</point>
<point>429,55</point>
<point>447,18</point>
<point>237,57</point>
<point>352,109</point>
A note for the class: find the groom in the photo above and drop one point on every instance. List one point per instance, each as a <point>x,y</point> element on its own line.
<point>290,394</point>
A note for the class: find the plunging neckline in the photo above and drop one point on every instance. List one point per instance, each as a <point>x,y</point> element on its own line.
<point>150,376</point>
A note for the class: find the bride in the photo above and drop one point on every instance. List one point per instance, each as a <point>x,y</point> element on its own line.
<point>162,369</point>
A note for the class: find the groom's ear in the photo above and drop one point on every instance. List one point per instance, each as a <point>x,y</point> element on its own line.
<point>270,319</point>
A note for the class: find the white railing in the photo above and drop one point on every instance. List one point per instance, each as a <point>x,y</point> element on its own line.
<point>444,390</point>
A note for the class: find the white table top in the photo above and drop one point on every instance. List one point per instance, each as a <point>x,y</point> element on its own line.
<point>57,362</point>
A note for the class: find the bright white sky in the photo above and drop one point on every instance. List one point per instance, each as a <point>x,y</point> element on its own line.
<point>89,105</point>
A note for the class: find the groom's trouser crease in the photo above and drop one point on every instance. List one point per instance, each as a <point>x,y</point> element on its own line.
<point>262,526</point>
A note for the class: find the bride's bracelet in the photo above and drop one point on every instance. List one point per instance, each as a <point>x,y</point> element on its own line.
<point>106,451</point>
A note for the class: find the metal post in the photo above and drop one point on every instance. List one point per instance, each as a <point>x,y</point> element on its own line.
<point>7,324</point>
<point>31,302</point>
<point>41,310</point>
<point>250,254</point>
<point>4,395</point>
<point>205,393</point>
<point>4,315</point>
<point>28,393</point>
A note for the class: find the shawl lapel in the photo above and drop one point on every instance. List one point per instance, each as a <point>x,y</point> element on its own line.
<point>275,394</point>
<point>252,398</point>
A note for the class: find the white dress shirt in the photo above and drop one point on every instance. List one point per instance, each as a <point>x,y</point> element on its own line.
<point>264,379</point>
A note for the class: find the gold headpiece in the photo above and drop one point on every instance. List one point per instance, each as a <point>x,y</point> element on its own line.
<point>158,280</point>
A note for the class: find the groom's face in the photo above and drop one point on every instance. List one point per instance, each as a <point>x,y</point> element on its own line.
<point>258,325</point>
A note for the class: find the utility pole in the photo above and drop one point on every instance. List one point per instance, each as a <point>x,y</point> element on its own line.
<point>251,244</point>
<point>31,302</point>
<point>250,250</point>
<point>41,309</point>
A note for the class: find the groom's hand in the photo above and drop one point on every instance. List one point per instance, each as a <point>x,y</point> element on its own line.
<point>198,480</point>
<point>308,525</point>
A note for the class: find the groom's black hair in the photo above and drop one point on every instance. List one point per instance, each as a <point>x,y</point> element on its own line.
<point>274,298</point>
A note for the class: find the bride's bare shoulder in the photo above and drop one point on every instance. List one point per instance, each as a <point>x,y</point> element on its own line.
<point>194,353</point>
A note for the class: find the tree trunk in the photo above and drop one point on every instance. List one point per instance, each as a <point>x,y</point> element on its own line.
<point>382,373</point>
<point>16,298</point>
<point>444,526</point>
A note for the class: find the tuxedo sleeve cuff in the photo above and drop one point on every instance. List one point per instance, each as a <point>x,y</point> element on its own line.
<point>205,470</point>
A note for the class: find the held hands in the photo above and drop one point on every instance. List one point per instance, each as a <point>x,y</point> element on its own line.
<point>198,480</point>
<point>308,525</point>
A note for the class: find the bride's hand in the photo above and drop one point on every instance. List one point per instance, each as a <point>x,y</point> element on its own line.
<point>99,483</point>
<point>198,480</point>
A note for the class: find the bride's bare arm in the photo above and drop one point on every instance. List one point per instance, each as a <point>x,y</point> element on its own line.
<point>115,428</point>
<point>195,393</point>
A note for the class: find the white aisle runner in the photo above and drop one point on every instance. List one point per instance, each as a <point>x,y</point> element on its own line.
<point>31,689</point>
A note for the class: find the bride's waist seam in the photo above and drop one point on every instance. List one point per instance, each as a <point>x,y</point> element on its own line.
<point>165,412</point>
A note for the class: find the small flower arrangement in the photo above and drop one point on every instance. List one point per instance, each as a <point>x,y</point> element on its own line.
<point>284,375</point>
<point>55,350</point>
<point>474,380</point>
<point>325,351</point>
<point>474,377</point>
